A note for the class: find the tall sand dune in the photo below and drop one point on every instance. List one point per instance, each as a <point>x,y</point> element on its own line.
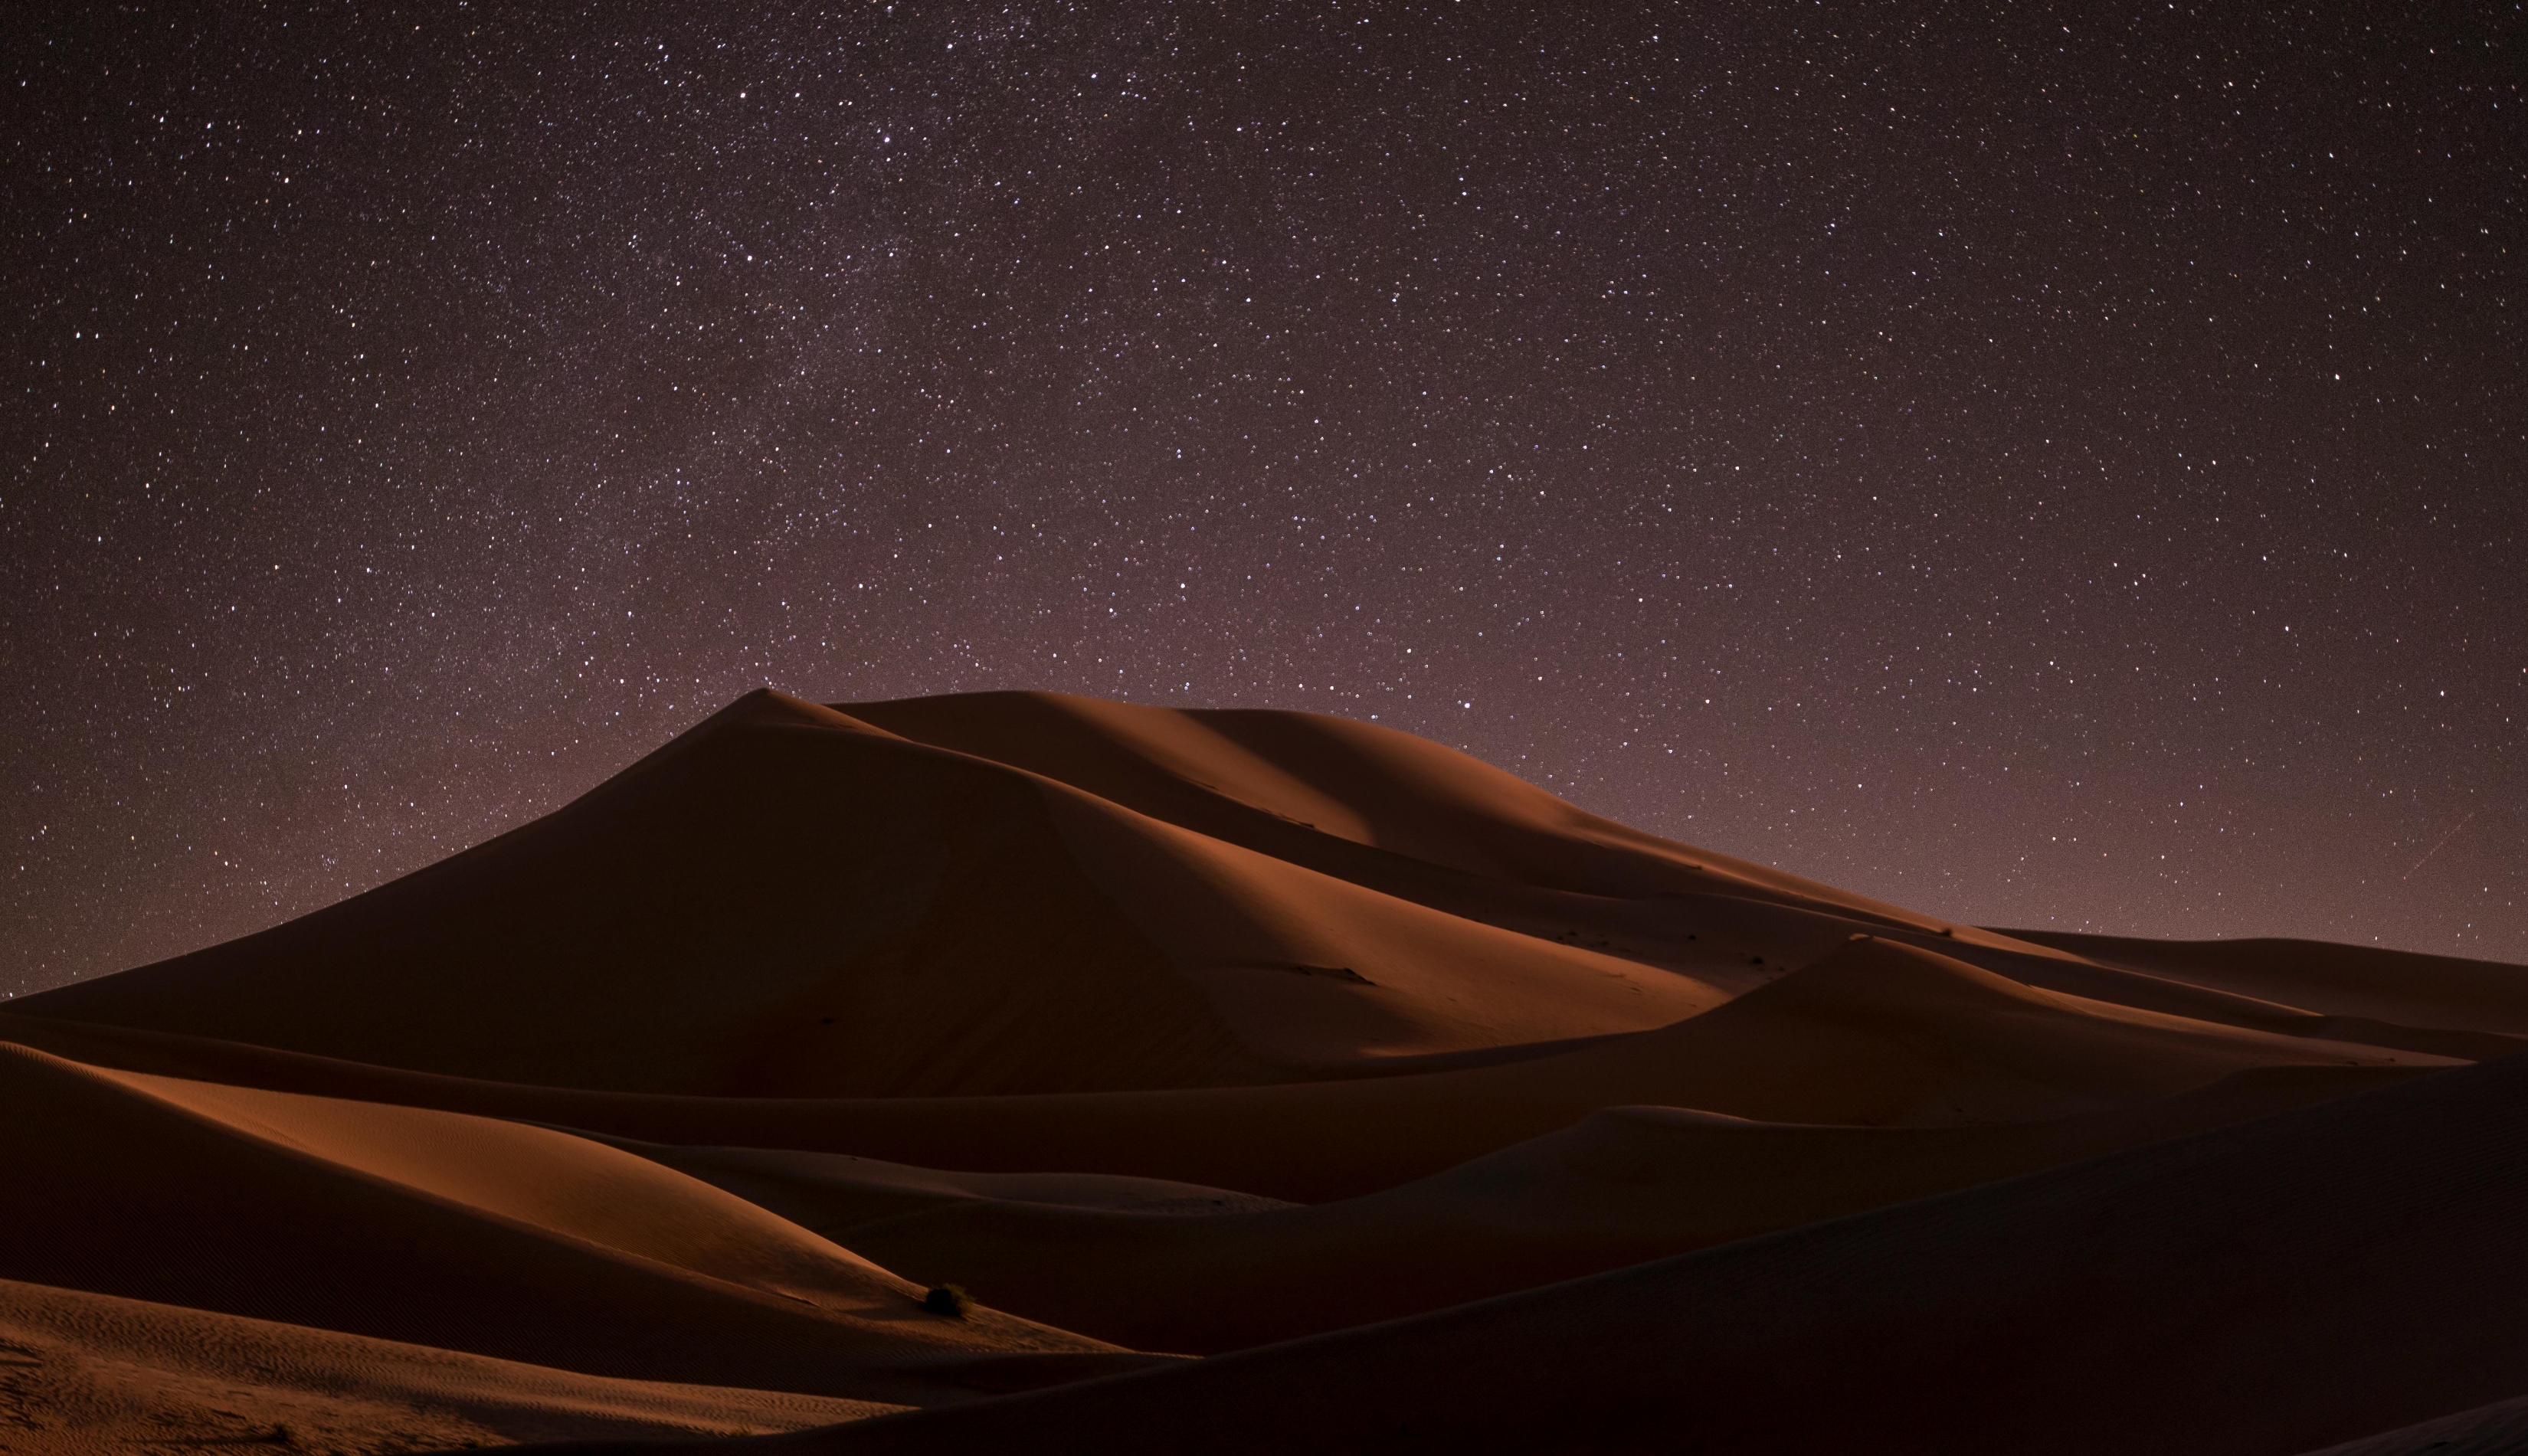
<point>786,902</point>
<point>793,900</point>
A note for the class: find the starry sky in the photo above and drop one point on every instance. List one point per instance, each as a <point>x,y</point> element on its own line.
<point>2043,465</point>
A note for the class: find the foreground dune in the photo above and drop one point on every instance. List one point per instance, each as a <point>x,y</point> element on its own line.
<point>1438,1109</point>
<point>91,1375</point>
<point>465,1234</point>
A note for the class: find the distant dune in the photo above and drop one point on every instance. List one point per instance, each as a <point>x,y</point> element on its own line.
<point>1433,1112</point>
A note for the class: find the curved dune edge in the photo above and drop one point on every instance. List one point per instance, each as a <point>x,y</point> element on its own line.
<point>92,1375</point>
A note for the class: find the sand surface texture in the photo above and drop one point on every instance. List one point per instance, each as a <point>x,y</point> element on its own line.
<point>1429,1111</point>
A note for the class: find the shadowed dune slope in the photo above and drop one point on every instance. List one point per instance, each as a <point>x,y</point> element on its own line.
<point>2257,1291</point>
<point>91,1375</point>
<point>461,1232</point>
<point>786,902</point>
<point>2496,1430</point>
<point>1172,1267</point>
<point>1876,1034</point>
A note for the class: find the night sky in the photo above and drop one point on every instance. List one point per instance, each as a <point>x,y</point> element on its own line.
<point>2043,465</point>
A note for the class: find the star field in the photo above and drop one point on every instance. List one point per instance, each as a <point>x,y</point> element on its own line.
<point>2045,465</point>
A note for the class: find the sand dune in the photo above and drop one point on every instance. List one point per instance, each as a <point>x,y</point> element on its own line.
<point>465,1234</point>
<point>784,902</point>
<point>1456,1115</point>
<point>788,901</point>
<point>779,901</point>
<point>90,1375</point>
<point>2307,1277</point>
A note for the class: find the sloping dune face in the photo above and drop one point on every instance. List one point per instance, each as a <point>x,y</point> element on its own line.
<point>1359,1066</point>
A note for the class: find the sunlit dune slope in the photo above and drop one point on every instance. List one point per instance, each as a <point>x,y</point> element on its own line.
<point>1216,771</point>
<point>1176,1267</point>
<point>461,1232</point>
<point>1418,821</point>
<point>2269,1287</point>
<point>91,1375</point>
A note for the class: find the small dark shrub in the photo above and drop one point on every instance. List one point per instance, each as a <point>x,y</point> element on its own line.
<point>951,1300</point>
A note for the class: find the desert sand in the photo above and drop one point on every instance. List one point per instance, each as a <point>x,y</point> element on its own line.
<point>1272,1082</point>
